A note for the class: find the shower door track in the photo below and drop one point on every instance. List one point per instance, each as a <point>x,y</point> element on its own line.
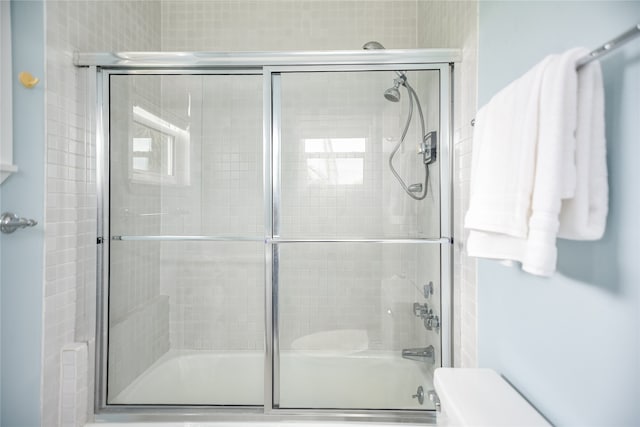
<point>440,241</point>
<point>270,65</point>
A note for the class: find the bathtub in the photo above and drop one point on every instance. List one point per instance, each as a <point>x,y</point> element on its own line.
<point>361,380</point>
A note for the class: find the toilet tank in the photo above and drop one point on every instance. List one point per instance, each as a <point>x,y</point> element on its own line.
<point>481,397</point>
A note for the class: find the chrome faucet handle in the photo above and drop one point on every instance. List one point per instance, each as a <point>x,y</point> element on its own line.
<point>421,310</point>
<point>432,322</point>
<point>427,290</point>
<point>10,222</point>
<point>419,395</point>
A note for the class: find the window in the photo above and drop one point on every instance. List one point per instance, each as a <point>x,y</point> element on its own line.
<point>335,161</point>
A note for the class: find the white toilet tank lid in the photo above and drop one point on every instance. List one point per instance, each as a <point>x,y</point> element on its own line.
<point>481,397</point>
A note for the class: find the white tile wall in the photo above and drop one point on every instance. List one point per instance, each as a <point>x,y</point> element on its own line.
<point>351,105</point>
<point>364,210</point>
<point>454,24</point>
<point>326,288</point>
<point>74,391</point>
<point>215,290</point>
<point>136,342</point>
<point>256,25</point>
<point>71,205</point>
<point>353,287</point>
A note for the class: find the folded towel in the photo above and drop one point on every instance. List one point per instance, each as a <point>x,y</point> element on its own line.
<point>504,149</point>
<point>547,171</point>
<point>584,216</point>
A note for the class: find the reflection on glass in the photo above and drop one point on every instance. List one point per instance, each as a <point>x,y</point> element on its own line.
<point>335,161</point>
<point>335,145</point>
<point>153,151</point>
<point>158,148</point>
<point>335,171</point>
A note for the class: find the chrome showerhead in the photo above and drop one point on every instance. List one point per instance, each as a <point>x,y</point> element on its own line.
<point>392,94</point>
<point>372,45</point>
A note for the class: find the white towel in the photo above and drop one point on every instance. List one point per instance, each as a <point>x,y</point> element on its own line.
<point>504,146</point>
<point>584,216</point>
<point>543,166</point>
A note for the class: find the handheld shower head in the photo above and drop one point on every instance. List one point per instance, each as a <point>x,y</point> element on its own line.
<point>392,94</point>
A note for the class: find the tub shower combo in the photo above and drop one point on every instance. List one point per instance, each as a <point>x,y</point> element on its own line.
<point>274,235</point>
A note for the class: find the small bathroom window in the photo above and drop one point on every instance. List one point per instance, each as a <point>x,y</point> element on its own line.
<point>335,161</point>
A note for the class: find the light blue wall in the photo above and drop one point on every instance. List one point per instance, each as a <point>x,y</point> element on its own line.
<point>22,252</point>
<point>571,344</point>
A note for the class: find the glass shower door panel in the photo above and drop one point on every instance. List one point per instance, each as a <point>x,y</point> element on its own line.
<point>346,314</point>
<point>338,133</point>
<point>186,155</point>
<point>186,323</point>
<point>186,309</point>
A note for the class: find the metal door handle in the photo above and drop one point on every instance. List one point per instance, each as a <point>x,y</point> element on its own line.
<point>10,222</point>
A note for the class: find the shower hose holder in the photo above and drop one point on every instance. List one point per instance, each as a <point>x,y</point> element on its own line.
<point>428,147</point>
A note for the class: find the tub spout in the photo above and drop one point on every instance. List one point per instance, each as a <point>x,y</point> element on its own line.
<point>423,354</point>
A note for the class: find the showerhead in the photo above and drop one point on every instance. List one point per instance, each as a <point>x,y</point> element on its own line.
<point>392,94</point>
<point>372,45</point>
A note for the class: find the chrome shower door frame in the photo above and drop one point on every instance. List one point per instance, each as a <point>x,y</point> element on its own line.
<point>445,241</point>
<point>271,66</point>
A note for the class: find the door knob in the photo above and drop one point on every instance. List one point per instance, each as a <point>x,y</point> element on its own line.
<point>10,222</point>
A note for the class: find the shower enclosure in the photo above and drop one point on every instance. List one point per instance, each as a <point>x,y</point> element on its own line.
<point>257,253</point>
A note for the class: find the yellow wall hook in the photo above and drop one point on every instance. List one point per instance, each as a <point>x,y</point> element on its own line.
<point>27,79</point>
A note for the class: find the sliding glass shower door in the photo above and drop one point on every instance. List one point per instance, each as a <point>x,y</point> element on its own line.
<point>355,251</point>
<point>186,285</point>
<point>274,238</point>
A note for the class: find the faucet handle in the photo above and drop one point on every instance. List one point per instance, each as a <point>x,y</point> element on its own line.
<point>427,290</point>
<point>421,310</point>
<point>432,322</point>
<point>419,395</point>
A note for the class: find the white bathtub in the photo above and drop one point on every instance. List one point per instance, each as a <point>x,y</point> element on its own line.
<point>362,380</point>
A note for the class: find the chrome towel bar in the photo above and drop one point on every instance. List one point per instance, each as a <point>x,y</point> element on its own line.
<point>609,46</point>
